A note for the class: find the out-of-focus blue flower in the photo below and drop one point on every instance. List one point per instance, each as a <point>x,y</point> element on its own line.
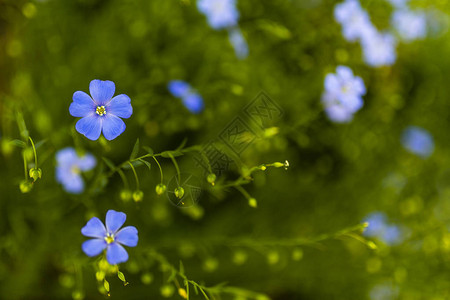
<point>398,3</point>
<point>380,228</point>
<point>385,291</point>
<point>69,168</point>
<point>190,98</point>
<point>343,94</point>
<point>410,25</point>
<point>102,112</point>
<point>353,18</point>
<point>109,237</point>
<point>418,141</point>
<point>239,43</point>
<point>379,48</point>
<point>220,13</point>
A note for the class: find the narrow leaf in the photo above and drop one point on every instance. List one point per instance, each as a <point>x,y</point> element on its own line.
<point>135,150</point>
<point>149,150</point>
<point>149,166</point>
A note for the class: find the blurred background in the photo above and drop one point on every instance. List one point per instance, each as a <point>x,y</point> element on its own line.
<point>339,175</point>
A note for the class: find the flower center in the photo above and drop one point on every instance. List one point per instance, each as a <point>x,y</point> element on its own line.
<point>75,170</point>
<point>101,110</point>
<point>109,238</point>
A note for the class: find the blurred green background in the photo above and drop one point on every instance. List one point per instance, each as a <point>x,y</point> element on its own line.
<point>338,174</point>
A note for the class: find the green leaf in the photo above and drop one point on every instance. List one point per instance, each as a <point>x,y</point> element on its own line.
<point>135,163</point>
<point>146,163</point>
<point>39,144</point>
<point>135,150</point>
<point>148,149</point>
<point>109,163</point>
<point>172,276</point>
<point>19,143</point>
<point>183,143</point>
<point>174,153</point>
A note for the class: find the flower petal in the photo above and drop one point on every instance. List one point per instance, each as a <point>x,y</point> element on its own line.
<point>94,228</point>
<point>179,88</point>
<point>194,103</point>
<point>113,126</point>
<point>116,254</point>
<point>127,236</point>
<point>331,83</point>
<point>66,156</point>
<point>93,247</point>
<point>102,90</point>
<point>114,220</point>
<point>90,127</point>
<point>120,106</point>
<point>82,105</point>
<point>73,183</point>
<point>86,162</point>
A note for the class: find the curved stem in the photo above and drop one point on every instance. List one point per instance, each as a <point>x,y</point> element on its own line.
<point>135,175</point>
<point>160,169</point>
<point>34,151</point>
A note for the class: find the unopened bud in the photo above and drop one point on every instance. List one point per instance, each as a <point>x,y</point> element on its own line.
<point>138,195</point>
<point>262,167</point>
<point>182,293</point>
<point>278,165</point>
<point>179,192</point>
<point>126,195</point>
<point>252,202</point>
<point>35,173</point>
<point>211,178</point>
<point>160,189</point>
<point>271,131</point>
<point>25,186</point>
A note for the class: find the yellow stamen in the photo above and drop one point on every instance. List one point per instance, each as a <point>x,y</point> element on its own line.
<point>75,170</point>
<point>100,110</point>
<point>109,238</point>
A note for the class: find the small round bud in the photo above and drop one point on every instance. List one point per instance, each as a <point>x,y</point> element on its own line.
<point>35,173</point>
<point>147,278</point>
<point>286,164</point>
<point>179,192</point>
<point>138,195</point>
<point>182,293</point>
<point>262,167</point>
<point>100,275</point>
<point>167,290</point>
<point>278,165</point>
<point>297,254</point>
<point>273,257</point>
<point>126,195</point>
<point>160,189</point>
<point>211,178</point>
<point>25,186</point>
<point>271,131</point>
<point>252,202</point>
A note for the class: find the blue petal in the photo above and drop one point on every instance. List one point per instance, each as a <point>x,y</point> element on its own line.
<point>90,127</point>
<point>66,156</point>
<point>120,106</point>
<point>94,228</point>
<point>73,183</point>
<point>102,91</point>
<point>114,220</point>
<point>331,83</point>
<point>112,126</point>
<point>116,254</point>
<point>82,105</point>
<point>127,236</point>
<point>194,103</point>
<point>86,162</point>
<point>239,43</point>
<point>179,88</point>
<point>93,247</point>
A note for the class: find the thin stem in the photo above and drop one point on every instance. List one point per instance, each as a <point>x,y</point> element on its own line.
<point>160,169</point>
<point>124,179</point>
<point>25,166</point>
<point>34,150</point>
<point>135,175</point>
<point>176,167</point>
<point>244,192</point>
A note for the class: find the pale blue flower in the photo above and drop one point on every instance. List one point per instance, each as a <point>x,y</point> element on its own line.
<point>190,98</point>
<point>384,291</point>
<point>102,112</point>
<point>69,168</point>
<point>410,25</point>
<point>238,42</point>
<point>353,18</point>
<point>343,94</point>
<point>418,141</point>
<point>379,49</point>
<point>220,13</point>
<point>379,227</point>
<point>399,3</point>
<point>109,237</point>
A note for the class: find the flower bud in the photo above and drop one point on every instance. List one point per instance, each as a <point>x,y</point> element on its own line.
<point>252,202</point>
<point>160,189</point>
<point>138,195</point>
<point>179,192</point>
<point>278,165</point>
<point>271,131</point>
<point>182,293</point>
<point>211,178</point>
<point>262,167</point>
<point>25,186</point>
<point>126,195</point>
<point>167,290</point>
<point>35,173</point>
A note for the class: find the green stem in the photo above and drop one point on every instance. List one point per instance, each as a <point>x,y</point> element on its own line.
<point>124,179</point>
<point>243,192</point>
<point>160,169</point>
<point>25,165</point>
<point>34,151</point>
<point>176,167</point>
<point>135,175</point>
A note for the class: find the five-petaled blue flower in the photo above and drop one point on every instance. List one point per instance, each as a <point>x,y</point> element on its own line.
<point>190,98</point>
<point>418,141</point>
<point>102,112</point>
<point>220,13</point>
<point>69,168</point>
<point>109,237</point>
<point>354,19</point>
<point>380,228</point>
<point>410,25</point>
<point>343,94</point>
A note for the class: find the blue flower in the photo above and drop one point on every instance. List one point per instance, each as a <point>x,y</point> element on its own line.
<point>410,25</point>
<point>190,98</point>
<point>220,13</point>
<point>398,3</point>
<point>239,43</point>
<point>380,228</point>
<point>109,237</point>
<point>379,48</point>
<point>69,168</point>
<point>418,141</point>
<point>102,112</point>
<point>343,94</point>
<point>354,20</point>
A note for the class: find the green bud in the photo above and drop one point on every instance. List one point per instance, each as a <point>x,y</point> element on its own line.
<point>297,254</point>
<point>138,195</point>
<point>179,192</point>
<point>160,189</point>
<point>167,290</point>
<point>252,202</point>
<point>271,131</point>
<point>126,195</point>
<point>77,295</point>
<point>35,173</point>
<point>211,178</point>
<point>25,186</point>
<point>278,165</point>
<point>147,278</point>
